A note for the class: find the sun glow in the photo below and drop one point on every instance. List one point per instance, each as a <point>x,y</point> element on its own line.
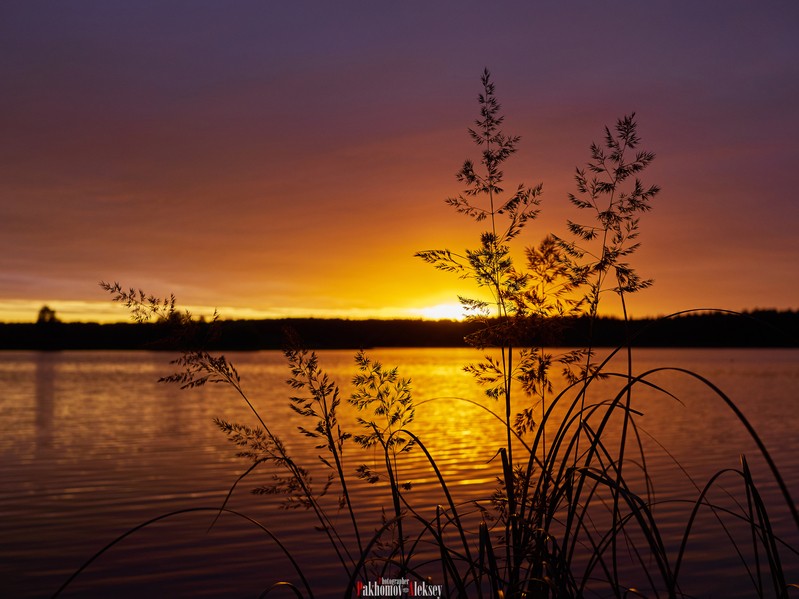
<point>443,311</point>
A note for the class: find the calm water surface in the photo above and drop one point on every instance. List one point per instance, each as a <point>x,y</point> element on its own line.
<point>93,446</point>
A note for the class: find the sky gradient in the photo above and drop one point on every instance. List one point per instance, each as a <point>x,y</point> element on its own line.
<point>287,159</point>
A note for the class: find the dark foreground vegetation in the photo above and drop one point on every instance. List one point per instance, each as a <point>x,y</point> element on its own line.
<point>574,512</point>
<point>762,328</point>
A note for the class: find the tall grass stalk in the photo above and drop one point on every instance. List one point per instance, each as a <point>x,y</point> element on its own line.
<point>575,512</point>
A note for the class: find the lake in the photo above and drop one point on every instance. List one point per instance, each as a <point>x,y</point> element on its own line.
<point>92,446</point>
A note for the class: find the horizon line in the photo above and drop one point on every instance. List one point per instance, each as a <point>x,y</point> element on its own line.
<point>411,318</point>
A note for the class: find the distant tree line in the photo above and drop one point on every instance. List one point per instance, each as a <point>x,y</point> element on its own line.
<point>763,328</point>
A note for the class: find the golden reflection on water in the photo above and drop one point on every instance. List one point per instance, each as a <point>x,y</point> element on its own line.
<point>93,445</point>
<point>45,384</point>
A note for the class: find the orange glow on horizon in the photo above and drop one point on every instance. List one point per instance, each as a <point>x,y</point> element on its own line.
<point>26,311</point>
<point>450,311</point>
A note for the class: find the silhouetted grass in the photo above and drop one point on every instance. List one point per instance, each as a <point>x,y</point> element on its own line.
<point>574,512</point>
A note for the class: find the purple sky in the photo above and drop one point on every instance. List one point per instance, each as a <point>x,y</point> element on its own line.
<point>289,158</point>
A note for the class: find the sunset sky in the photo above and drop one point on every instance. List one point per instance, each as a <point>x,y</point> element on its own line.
<point>287,159</point>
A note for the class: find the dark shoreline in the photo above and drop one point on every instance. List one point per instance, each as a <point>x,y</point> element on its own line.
<point>763,328</point>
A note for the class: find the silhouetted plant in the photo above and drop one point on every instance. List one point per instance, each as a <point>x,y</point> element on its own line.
<point>615,209</point>
<point>524,301</point>
<point>568,500</point>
